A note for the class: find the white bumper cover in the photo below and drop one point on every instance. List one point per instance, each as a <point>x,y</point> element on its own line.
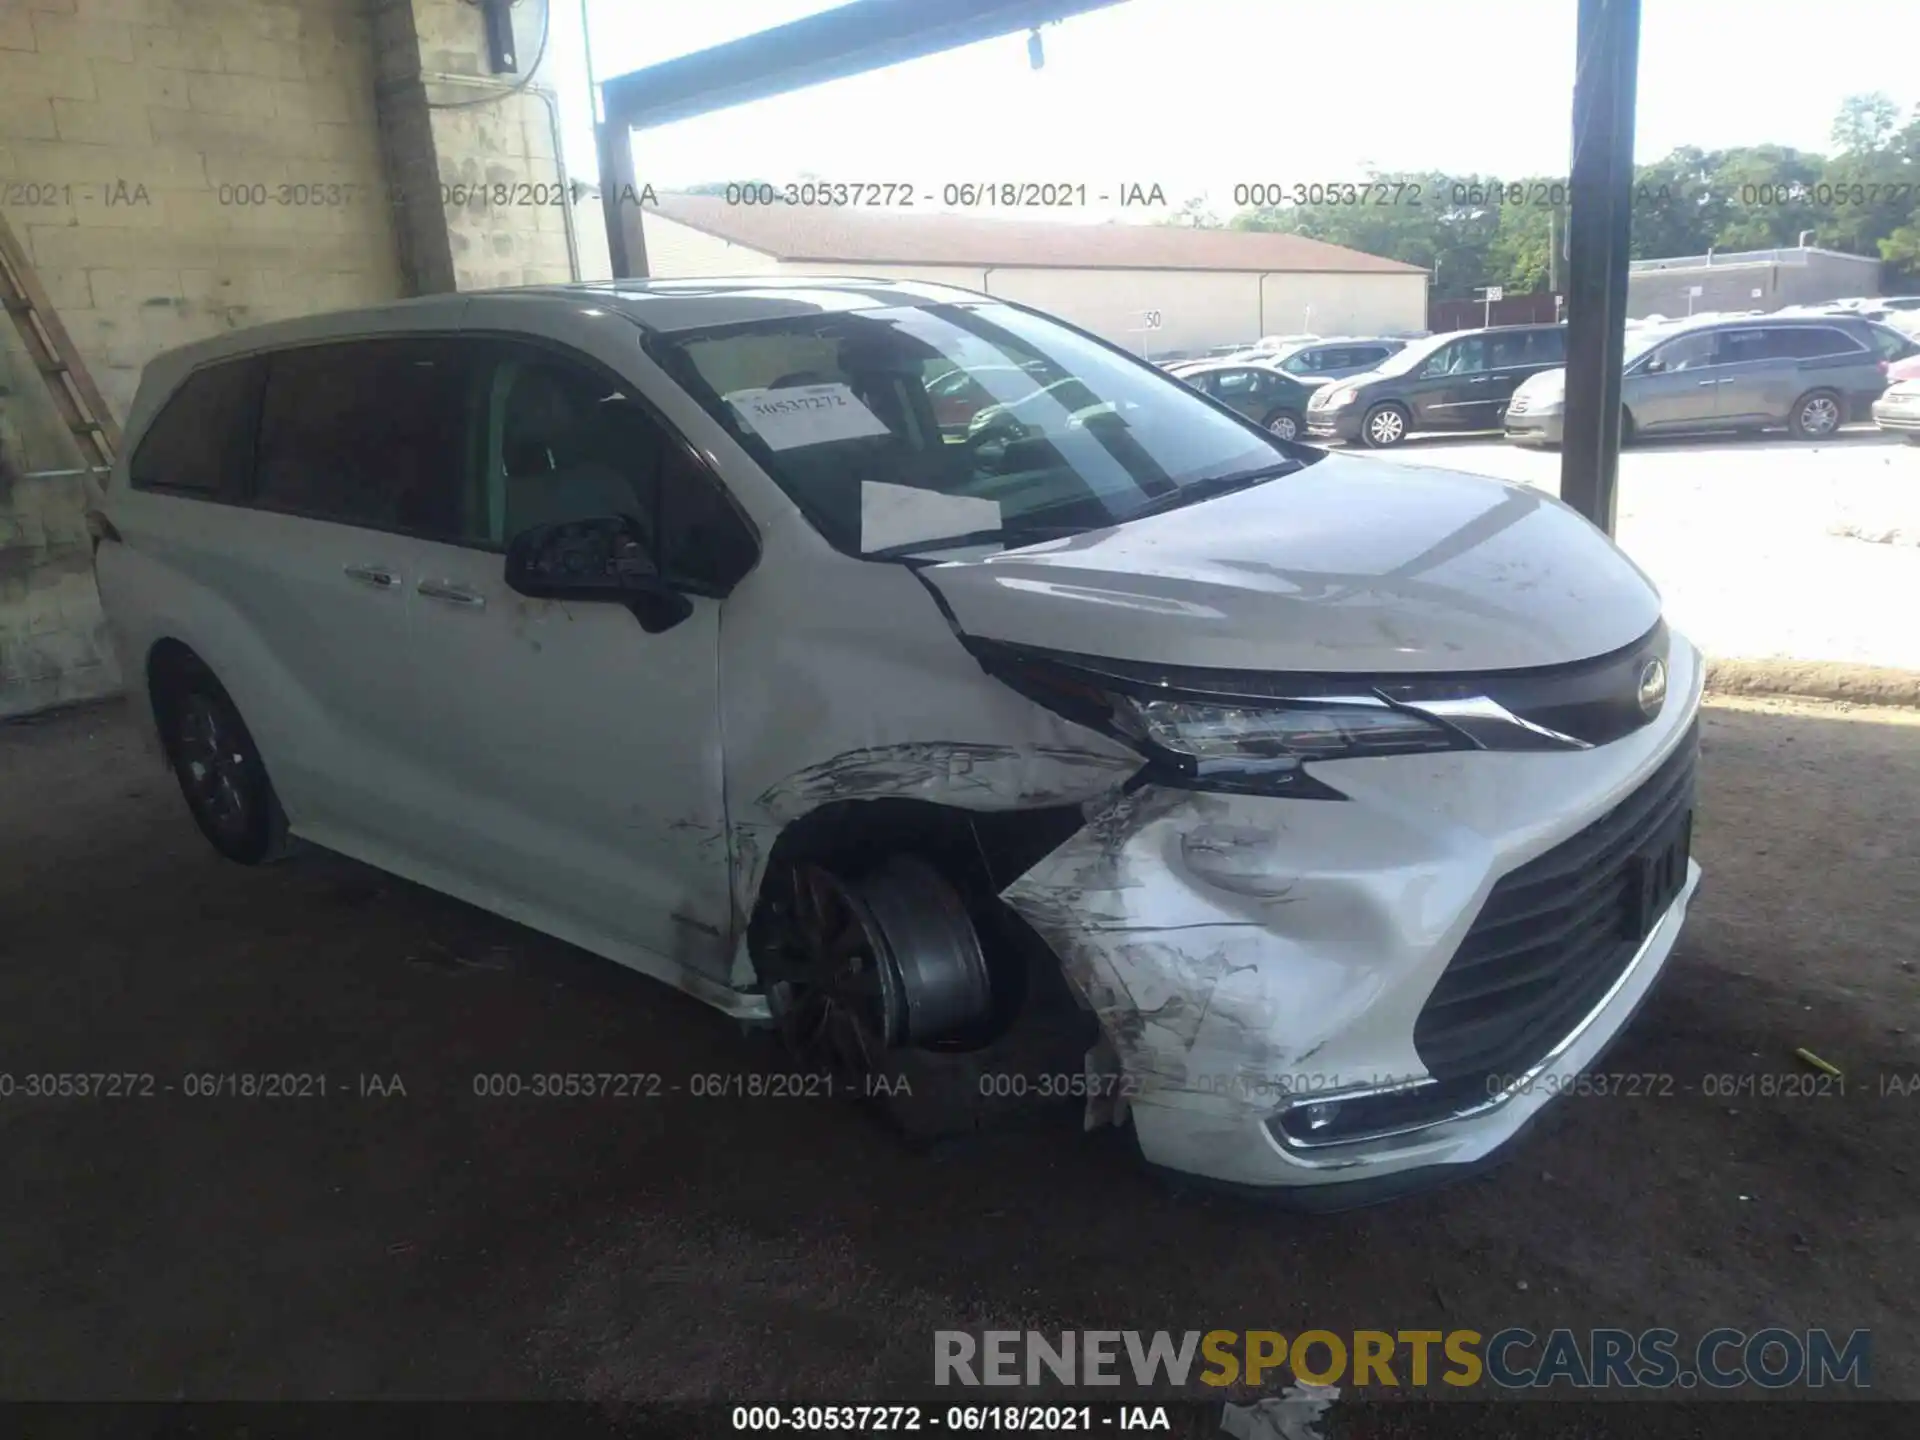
<point>1244,952</point>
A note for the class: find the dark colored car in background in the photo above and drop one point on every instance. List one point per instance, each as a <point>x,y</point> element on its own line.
<point>1808,374</point>
<point>1263,394</point>
<point>1337,359</point>
<point>1460,380</point>
<point>958,395</point>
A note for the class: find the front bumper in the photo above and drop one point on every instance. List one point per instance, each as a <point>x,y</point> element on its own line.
<point>1247,954</point>
<point>1341,424</point>
<point>1905,419</point>
<point>1534,427</point>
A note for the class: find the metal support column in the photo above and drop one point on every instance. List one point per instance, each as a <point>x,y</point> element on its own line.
<point>1599,231</point>
<point>620,201</point>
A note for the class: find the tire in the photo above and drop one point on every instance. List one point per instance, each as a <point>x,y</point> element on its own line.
<point>222,777</point>
<point>1384,426</point>
<point>1816,415</point>
<point>1628,431</point>
<point>1285,423</point>
<point>923,1089</point>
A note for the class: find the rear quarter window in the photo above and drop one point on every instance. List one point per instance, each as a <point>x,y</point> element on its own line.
<point>201,442</point>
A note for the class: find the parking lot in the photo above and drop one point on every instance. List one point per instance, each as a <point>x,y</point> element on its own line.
<point>401,1235</point>
<point>1762,546</point>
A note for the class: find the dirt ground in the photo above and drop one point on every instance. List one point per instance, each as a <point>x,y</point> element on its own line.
<point>438,1243</point>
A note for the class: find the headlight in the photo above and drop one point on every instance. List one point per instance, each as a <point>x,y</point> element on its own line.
<point>1345,395</point>
<point>1263,748</point>
<point>1257,746</point>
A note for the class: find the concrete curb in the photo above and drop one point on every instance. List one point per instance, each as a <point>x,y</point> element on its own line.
<point>1815,680</point>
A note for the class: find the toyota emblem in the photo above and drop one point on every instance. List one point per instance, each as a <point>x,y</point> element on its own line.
<point>1652,688</point>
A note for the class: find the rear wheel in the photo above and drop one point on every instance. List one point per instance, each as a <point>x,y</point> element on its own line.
<point>1385,425</point>
<point>1284,423</point>
<point>1628,433</point>
<point>219,768</point>
<point>1815,415</point>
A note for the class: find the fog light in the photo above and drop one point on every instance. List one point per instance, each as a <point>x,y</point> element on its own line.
<point>1319,1116</point>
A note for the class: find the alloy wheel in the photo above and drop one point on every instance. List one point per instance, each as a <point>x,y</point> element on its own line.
<point>835,992</point>
<point>1285,426</point>
<point>1820,416</point>
<point>213,764</point>
<point>1385,427</point>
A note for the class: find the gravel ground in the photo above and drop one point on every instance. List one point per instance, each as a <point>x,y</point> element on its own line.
<point>1762,546</point>
<point>429,1242</point>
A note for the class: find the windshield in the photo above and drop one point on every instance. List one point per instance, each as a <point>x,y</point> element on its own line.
<point>901,424</point>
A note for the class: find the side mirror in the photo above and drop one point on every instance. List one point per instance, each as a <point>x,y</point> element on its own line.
<point>605,559</point>
<point>1653,367</point>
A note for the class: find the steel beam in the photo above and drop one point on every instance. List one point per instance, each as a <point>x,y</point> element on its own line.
<point>849,40</point>
<point>1600,195</point>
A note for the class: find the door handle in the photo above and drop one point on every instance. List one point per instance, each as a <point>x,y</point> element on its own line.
<point>452,594</point>
<point>377,576</point>
<point>1709,384</point>
<point>1479,379</point>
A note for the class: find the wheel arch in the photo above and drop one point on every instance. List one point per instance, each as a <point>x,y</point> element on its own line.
<point>980,852</point>
<point>170,663</point>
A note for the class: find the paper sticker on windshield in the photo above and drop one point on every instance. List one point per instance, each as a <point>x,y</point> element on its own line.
<point>796,415</point>
<point>892,515</point>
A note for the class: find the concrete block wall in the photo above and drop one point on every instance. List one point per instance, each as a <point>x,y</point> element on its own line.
<point>175,168</point>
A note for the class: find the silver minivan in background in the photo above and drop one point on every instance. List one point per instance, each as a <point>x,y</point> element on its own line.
<point>1807,374</point>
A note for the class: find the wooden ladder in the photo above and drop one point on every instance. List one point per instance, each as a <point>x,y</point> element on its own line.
<point>78,400</point>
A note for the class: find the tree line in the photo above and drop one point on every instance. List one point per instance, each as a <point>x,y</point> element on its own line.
<point>1478,230</point>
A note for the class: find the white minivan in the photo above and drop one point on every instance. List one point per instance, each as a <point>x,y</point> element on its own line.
<point>708,626</point>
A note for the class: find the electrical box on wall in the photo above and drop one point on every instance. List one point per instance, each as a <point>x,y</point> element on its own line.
<point>500,47</point>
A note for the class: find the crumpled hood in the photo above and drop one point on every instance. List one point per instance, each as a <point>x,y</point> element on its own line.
<point>1350,565</point>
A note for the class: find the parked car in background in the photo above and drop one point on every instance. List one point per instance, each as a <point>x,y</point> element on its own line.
<point>1268,346</point>
<point>1898,410</point>
<point>959,395</point>
<point>1263,394</point>
<point>1808,373</point>
<point>1460,380</point>
<point>1039,406</point>
<point>1336,359</point>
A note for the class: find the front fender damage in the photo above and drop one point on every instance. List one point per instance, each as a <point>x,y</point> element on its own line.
<point>1166,912</point>
<point>956,774</point>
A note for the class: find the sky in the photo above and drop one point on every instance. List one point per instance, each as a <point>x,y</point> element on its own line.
<point>1199,96</point>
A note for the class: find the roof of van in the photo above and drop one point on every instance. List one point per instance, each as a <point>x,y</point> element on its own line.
<point>664,306</point>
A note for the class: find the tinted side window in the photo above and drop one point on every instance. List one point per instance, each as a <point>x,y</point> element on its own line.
<point>1739,347</point>
<point>1550,346</point>
<point>1810,342</point>
<point>1891,344</point>
<point>568,441</point>
<point>369,432</point>
<point>201,442</point>
<point>1228,383</point>
<point>1689,352</point>
<point>1510,350</point>
<point>1462,357</point>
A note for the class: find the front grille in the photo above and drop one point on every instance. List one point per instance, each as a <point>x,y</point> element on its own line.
<point>1552,938</point>
<point>1549,943</point>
